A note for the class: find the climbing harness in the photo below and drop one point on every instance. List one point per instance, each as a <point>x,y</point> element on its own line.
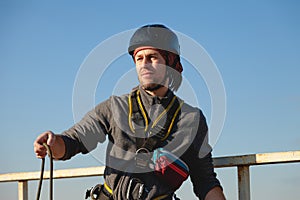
<point>42,174</point>
<point>157,132</point>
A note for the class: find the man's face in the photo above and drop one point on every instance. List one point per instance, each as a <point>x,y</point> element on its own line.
<point>151,68</point>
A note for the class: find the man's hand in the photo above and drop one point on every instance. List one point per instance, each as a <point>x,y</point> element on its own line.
<point>55,142</point>
<point>215,193</point>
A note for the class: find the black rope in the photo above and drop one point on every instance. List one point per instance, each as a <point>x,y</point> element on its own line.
<point>41,179</point>
<point>42,174</point>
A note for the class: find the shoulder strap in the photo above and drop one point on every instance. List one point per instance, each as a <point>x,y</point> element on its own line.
<point>136,115</point>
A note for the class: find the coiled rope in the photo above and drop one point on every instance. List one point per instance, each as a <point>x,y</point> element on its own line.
<point>42,174</point>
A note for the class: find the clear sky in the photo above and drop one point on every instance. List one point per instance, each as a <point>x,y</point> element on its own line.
<point>253,44</point>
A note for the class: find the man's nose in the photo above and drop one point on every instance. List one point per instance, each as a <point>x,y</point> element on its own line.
<point>146,63</point>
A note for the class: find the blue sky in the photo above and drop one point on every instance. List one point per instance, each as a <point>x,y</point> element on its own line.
<point>254,44</point>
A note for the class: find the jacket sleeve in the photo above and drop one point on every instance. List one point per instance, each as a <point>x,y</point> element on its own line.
<point>203,176</point>
<point>200,162</point>
<point>88,132</point>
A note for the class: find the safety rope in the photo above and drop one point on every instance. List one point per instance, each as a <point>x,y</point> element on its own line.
<point>42,174</point>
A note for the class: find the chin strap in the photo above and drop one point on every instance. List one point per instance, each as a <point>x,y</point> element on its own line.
<point>42,174</point>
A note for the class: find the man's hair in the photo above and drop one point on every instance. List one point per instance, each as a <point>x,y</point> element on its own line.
<point>173,69</point>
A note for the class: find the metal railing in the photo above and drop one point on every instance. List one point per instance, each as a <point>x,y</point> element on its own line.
<point>242,163</point>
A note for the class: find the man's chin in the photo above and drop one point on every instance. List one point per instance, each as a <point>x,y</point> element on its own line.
<point>151,86</point>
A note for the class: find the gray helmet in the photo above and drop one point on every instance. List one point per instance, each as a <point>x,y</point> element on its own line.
<point>155,35</point>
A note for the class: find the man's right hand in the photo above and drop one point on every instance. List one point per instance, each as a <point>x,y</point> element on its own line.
<point>47,137</point>
<point>55,142</point>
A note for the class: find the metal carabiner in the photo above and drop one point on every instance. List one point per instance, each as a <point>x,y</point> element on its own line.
<point>128,189</point>
<point>141,190</point>
<point>94,192</point>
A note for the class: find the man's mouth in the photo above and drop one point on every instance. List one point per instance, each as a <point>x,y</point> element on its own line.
<point>148,73</point>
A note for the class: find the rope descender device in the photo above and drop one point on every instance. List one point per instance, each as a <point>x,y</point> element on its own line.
<point>42,174</point>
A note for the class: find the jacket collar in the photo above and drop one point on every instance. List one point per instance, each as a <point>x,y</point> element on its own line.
<point>149,100</point>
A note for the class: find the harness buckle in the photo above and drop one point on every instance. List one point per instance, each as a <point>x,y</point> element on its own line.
<point>142,158</point>
<point>157,131</point>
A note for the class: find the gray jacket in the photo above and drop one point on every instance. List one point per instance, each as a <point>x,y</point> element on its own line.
<point>109,120</point>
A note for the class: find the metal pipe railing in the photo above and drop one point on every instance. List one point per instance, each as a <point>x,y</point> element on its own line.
<point>242,163</point>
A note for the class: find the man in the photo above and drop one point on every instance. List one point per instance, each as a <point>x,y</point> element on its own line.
<point>155,139</point>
